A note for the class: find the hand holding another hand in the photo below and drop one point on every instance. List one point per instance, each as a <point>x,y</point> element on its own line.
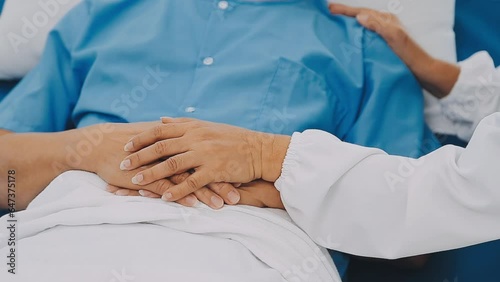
<point>106,153</point>
<point>213,152</point>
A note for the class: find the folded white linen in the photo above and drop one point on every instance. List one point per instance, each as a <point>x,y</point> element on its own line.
<point>87,234</point>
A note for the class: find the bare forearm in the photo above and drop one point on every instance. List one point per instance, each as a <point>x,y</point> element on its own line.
<point>438,77</point>
<point>37,159</point>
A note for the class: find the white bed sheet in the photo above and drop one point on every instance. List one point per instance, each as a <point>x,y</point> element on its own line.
<point>75,231</point>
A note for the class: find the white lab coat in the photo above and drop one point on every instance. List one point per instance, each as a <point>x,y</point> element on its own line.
<point>362,201</point>
<point>475,96</point>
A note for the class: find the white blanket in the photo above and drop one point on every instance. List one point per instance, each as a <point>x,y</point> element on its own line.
<point>75,231</point>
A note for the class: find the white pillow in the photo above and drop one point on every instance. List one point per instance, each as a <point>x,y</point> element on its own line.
<point>429,22</point>
<point>24,26</point>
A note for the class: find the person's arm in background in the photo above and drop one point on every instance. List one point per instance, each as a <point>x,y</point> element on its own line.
<point>469,91</point>
<point>437,76</point>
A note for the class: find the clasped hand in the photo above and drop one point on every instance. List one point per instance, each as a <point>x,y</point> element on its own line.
<point>196,160</point>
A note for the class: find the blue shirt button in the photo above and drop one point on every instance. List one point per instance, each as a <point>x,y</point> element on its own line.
<point>223,5</point>
<point>208,61</point>
<point>190,110</point>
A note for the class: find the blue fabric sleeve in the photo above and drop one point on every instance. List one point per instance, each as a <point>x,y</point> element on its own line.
<point>391,116</point>
<point>44,99</point>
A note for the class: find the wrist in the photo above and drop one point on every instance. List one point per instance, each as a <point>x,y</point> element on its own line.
<point>273,153</point>
<point>440,77</point>
<point>74,152</point>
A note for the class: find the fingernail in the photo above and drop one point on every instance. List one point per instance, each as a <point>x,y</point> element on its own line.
<point>109,188</point>
<point>362,18</point>
<point>164,119</point>
<point>167,197</point>
<point>233,197</point>
<point>137,179</point>
<point>125,165</point>
<point>217,201</point>
<point>145,193</point>
<point>129,147</point>
<point>191,201</point>
<point>122,193</point>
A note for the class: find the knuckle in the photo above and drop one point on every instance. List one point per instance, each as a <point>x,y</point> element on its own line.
<point>162,186</point>
<point>135,158</point>
<point>217,187</point>
<point>221,177</point>
<point>192,183</point>
<point>160,148</point>
<point>158,131</point>
<point>179,178</point>
<point>172,164</point>
<point>392,18</point>
<point>396,34</point>
<point>152,174</point>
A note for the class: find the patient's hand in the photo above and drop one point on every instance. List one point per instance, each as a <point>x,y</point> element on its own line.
<point>213,195</point>
<point>104,155</point>
<point>437,76</point>
<point>260,194</point>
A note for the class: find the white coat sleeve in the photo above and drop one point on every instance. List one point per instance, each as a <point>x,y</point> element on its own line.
<point>364,202</point>
<point>475,96</point>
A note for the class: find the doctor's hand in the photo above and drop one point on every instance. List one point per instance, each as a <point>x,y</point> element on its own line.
<point>212,152</point>
<point>437,76</point>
